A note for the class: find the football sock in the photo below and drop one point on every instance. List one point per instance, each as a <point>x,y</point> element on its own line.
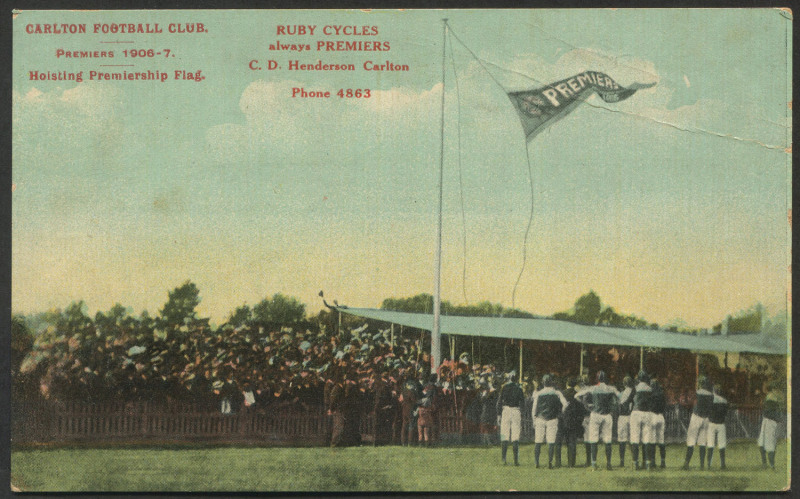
<point>722,458</point>
<point>608,454</point>
<point>515,447</point>
<point>622,454</point>
<point>551,448</point>
<point>537,450</point>
<point>504,450</point>
<point>689,452</point>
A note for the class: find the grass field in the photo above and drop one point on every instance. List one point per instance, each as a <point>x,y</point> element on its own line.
<point>368,469</point>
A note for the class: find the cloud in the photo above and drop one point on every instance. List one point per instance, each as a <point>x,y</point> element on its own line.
<point>81,109</point>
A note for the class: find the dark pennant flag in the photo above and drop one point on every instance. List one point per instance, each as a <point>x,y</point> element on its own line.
<point>543,106</point>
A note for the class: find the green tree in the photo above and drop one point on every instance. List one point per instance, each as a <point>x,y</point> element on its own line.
<point>609,317</point>
<point>21,342</point>
<point>74,317</point>
<point>180,306</point>
<point>114,317</point>
<point>241,316</point>
<point>587,308</point>
<point>746,321</point>
<point>279,309</point>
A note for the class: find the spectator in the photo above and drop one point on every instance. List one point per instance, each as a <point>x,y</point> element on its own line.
<point>772,415</point>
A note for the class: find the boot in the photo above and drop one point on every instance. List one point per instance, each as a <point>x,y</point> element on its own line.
<point>689,452</point>
<point>504,450</point>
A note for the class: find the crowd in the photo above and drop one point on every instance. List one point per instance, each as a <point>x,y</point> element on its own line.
<point>371,371</point>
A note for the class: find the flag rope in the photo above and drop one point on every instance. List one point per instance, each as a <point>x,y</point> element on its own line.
<point>527,157</point>
<point>480,61</point>
<point>528,229</point>
<point>460,176</point>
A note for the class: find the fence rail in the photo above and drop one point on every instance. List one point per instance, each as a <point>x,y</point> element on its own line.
<point>116,422</point>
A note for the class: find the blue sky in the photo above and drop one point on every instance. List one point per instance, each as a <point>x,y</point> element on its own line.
<point>671,204</point>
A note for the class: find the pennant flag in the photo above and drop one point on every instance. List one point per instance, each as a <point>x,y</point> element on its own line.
<point>543,106</point>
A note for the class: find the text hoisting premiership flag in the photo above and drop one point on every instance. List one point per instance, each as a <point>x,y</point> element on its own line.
<point>543,106</point>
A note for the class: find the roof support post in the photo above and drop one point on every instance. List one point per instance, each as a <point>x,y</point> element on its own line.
<point>641,358</point>
<point>520,360</point>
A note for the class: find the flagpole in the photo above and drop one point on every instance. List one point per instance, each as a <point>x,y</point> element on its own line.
<point>436,335</point>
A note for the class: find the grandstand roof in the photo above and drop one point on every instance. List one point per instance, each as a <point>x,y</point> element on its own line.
<point>553,330</point>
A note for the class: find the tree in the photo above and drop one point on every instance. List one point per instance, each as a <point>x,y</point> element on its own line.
<point>587,308</point>
<point>180,306</point>
<point>746,321</point>
<point>114,317</point>
<point>74,317</point>
<point>423,304</point>
<point>609,317</point>
<point>279,309</point>
<point>21,342</point>
<point>241,316</point>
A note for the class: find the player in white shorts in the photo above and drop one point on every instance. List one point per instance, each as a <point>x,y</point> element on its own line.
<point>641,427</point>
<point>509,406</point>
<point>547,405</point>
<point>772,413</point>
<point>717,434</point>
<point>624,418</point>
<point>586,400</point>
<point>604,398</point>
<point>697,434</point>
<point>658,404</point>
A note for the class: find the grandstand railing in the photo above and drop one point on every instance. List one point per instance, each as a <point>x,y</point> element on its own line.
<point>295,426</point>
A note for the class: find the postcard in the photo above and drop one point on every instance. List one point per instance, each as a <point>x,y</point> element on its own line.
<point>401,250</point>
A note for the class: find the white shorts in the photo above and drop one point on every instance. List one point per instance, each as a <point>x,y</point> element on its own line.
<point>545,430</point>
<point>623,428</point>
<point>600,428</point>
<point>510,423</point>
<point>641,427</point>
<point>586,429</point>
<point>697,432</point>
<point>717,435</point>
<point>768,437</point>
<point>657,424</point>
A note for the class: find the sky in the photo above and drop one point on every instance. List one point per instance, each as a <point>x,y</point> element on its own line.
<point>672,205</point>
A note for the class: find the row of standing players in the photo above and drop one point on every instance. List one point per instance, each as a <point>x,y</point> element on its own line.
<point>561,418</point>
